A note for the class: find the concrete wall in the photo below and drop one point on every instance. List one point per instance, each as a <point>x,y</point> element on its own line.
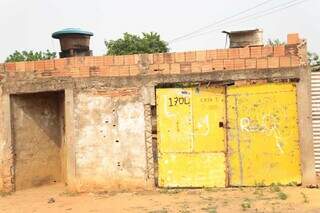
<point>110,140</point>
<point>36,135</point>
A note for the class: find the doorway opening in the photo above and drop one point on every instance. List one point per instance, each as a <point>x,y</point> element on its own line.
<point>38,138</point>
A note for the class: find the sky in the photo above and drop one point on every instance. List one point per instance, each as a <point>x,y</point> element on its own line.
<point>28,25</point>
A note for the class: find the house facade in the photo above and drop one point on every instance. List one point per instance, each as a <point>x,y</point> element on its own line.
<point>213,118</point>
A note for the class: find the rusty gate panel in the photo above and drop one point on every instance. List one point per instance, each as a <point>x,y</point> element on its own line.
<point>263,140</point>
<point>191,137</point>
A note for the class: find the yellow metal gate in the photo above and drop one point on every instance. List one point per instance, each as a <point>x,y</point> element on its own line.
<point>191,137</point>
<point>263,139</point>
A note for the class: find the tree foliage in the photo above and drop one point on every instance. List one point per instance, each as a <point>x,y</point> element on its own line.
<point>314,59</point>
<point>30,56</point>
<point>275,42</point>
<point>135,44</point>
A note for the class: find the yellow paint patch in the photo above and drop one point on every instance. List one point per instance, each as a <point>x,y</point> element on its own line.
<point>263,136</point>
<point>192,170</point>
<point>191,137</point>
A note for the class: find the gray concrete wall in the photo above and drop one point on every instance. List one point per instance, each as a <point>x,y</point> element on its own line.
<point>36,136</point>
<point>109,140</point>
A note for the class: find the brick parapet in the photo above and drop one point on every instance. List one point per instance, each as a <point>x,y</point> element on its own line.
<point>292,54</point>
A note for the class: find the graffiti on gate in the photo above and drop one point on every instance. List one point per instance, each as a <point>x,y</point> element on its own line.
<point>268,124</point>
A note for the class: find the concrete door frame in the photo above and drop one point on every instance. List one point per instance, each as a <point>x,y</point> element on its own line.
<point>8,171</point>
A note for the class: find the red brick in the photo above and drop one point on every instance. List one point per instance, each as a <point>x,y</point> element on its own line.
<point>79,61</point>
<point>150,58</point>
<point>129,60</point>
<point>10,67</point>
<point>168,58</point>
<point>108,60</point>
<point>153,69</point>
<point>137,58</point>
<point>134,70</point>
<point>262,63</point>
<point>98,61</point>
<point>234,53</point>
<point>39,65</point>
<point>59,64</point>
<point>195,67</point>
<point>239,64</point>
<point>123,70</point>
<point>256,52</point>
<point>295,61</point>
<point>84,71</point>
<point>190,56</point>
<point>114,70</point>
<point>241,82</point>
<point>104,71</point>
<point>118,60</point>
<point>251,63</point>
<point>49,65</point>
<point>244,52</point>
<point>75,71</point>
<point>293,38</point>
<point>285,61</point>
<point>273,62</point>
<point>279,51</point>
<point>228,64</point>
<point>207,66</point>
<point>217,65</point>
<point>185,67</point>
<point>212,54</point>
<point>267,51</point>
<point>29,66</point>
<point>158,58</point>
<point>201,55</point>
<point>164,68</point>
<point>222,54</point>
<point>174,68</point>
<point>179,57</point>
<point>20,66</point>
<point>70,62</point>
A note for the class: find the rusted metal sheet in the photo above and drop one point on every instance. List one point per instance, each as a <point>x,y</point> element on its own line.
<point>263,140</point>
<point>315,92</point>
<point>191,137</point>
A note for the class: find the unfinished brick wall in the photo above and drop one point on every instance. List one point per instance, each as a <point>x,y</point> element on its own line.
<point>293,54</point>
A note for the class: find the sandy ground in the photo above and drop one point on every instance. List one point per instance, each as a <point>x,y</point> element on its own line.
<point>54,198</point>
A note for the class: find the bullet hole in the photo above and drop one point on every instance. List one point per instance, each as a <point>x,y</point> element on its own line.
<point>118,164</point>
<point>117,141</point>
<point>114,125</point>
<point>106,122</point>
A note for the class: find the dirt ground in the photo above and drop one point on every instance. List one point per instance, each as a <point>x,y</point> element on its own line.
<point>54,198</point>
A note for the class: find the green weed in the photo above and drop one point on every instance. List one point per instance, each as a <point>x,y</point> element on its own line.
<point>246,204</point>
<point>305,198</point>
<point>282,195</point>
